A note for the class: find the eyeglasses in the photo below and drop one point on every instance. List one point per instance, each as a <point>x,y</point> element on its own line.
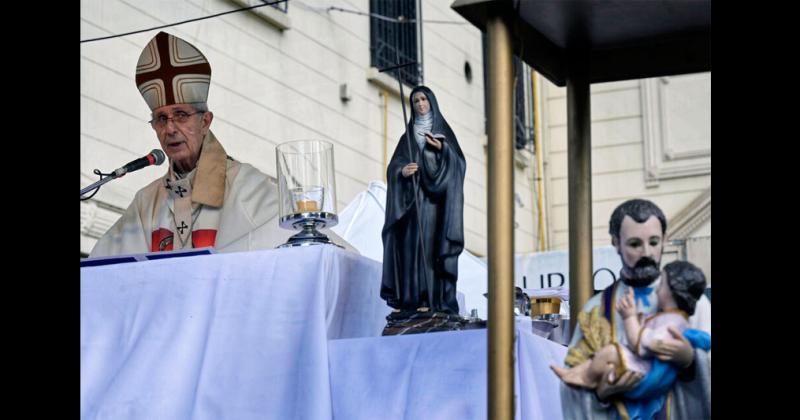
<point>179,117</point>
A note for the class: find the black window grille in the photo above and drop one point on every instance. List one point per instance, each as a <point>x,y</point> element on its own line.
<point>394,35</point>
<point>523,126</point>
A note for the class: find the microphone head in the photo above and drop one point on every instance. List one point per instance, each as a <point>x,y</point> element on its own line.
<point>158,155</point>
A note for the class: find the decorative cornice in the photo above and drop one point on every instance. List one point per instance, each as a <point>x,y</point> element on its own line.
<point>522,158</point>
<point>387,83</point>
<point>97,219</point>
<point>660,160</point>
<point>691,217</point>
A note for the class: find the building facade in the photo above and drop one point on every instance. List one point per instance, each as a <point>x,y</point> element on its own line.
<point>308,70</point>
<point>651,139</point>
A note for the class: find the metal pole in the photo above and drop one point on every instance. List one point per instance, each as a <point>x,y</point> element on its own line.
<point>419,42</point>
<point>97,184</point>
<point>500,221</point>
<point>385,95</point>
<point>539,159</point>
<point>579,174</point>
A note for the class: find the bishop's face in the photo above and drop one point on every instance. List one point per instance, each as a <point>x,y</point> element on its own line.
<point>640,246</point>
<point>181,133</point>
<point>421,103</point>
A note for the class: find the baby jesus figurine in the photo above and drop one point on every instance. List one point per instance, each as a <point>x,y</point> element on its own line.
<point>681,286</point>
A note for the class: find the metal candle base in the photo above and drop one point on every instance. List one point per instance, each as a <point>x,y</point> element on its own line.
<point>308,223</point>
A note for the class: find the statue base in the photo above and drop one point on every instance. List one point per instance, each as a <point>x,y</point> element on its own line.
<point>475,324</point>
<point>418,322</point>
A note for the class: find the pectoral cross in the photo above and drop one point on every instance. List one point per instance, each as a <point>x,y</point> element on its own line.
<point>180,190</point>
<point>182,227</point>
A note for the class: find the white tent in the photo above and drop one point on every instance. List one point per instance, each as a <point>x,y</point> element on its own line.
<point>360,224</point>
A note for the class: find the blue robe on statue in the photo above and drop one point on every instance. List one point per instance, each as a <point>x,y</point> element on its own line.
<point>647,398</point>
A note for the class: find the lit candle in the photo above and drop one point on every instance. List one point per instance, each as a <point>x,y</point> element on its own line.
<point>304,206</point>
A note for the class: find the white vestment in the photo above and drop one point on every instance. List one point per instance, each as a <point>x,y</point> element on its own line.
<point>226,204</point>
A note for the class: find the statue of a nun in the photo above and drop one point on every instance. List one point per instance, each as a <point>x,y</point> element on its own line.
<point>420,250</point>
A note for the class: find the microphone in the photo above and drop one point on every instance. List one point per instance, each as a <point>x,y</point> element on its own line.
<point>155,157</point>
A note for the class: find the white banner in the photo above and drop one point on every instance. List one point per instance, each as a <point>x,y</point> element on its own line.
<point>551,269</point>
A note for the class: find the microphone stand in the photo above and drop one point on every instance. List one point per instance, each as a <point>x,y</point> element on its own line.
<point>103,179</point>
<point>155,157</point>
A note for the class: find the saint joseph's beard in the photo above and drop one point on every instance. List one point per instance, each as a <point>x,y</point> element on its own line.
<point>642,274</point>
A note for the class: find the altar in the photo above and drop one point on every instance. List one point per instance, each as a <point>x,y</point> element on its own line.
<point>279,334</point>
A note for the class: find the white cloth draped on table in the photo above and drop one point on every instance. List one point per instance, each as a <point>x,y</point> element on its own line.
<point>438,376</point>
<point>280,334</point>
<point>238,336</point>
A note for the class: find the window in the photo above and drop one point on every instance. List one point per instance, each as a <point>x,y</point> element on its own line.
<point>523,101</point>
<point>523,110</point>
<point>276,14</point>
<point>395,34</point>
